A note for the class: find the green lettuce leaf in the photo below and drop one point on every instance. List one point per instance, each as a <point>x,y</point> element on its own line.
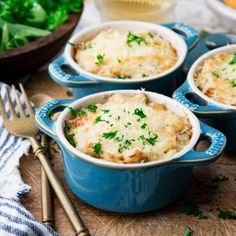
<point>23,21</point>
<point>15,35</point>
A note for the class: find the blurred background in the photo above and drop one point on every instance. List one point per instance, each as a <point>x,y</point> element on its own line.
<point>201,14</point>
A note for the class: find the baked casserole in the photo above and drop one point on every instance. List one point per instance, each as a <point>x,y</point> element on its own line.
<point>122,54</point>
<point>128,129</point>
<point>216,78</point>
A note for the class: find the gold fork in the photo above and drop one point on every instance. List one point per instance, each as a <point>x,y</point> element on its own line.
<point>24,126</point>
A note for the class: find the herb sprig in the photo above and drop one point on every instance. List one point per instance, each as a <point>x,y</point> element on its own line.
<point>134,38</point>
<point>71,139</point>
<point>97,148</point>
<point>100,59</point>
<point>139,112</point>
<point>188,232</point>
<point>233,60</point>
<point>110,135</point>
<point>192,208</point>
<point>92,107</point>
<point>77,113</point>
<point>216,73</point>
<point>99,119</point>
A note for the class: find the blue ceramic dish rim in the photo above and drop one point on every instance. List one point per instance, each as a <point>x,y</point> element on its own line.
<point>187,156</point>
<point>211,107</point>
<point>84,77</point>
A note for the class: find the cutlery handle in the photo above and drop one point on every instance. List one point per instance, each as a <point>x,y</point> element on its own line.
<point>46,192</point>
<point>80,229</point>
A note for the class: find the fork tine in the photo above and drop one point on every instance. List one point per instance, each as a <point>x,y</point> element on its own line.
<point>28,105</point>
<point>21,110</point>
<point>3,110</point>
<point>11,106</point>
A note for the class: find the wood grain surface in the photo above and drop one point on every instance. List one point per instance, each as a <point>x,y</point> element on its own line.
<point>168,221</point>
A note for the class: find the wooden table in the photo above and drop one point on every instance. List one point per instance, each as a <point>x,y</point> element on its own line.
<point>168,221</point>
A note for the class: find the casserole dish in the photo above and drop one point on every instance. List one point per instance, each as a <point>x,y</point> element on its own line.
<point>85,83</point>
<point>216,114</point>
<point>129,188</point>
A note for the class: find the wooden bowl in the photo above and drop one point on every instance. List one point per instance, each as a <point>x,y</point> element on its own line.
<point>22,61</point>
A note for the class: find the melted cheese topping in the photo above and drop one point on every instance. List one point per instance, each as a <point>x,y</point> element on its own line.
<point>129,129</point>
<point>126,55</point>
<point>217,78</point>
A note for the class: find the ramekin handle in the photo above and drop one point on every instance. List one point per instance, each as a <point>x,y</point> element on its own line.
<point>217,144</point>
<point>190,35</point>
<point>66,79</point>
<point>181,96</point>
<point>42,117</point>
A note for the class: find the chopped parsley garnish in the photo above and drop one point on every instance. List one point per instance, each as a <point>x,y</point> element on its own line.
<point>143,139</point>
<point>67,127</point>
<point>109,135</point>
<point>225,214</point>
<point>144,75</point>
<point>99,119</point>
<point>71,139</point>
<point>120,149</point>
<point>152,140</point>
<point>143,126</point>
<point>134,38</point>
<point>69,93</point>
<point>128,124</point>
<point>192,208</point>
<point>119,139</point>
<point>125,146</point>
<point>233,60</point>
<point>216,74</point>
<point>150,34</point>
<point>76,113</point>
<point>129,141</point>
<point>120,77</point>
<point>92,107</point>
<point>100,59</point>
<point>188,232</point>
<point>139,112</point>
<point>97,148</point>
<point>119,60</point>
<point>232,82</point>
<point>105,111</point>
<point>81,112</point>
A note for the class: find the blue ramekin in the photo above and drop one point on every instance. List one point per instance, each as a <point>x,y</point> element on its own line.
<point>218,115</point>
<point>181,36</point>
<point>129,188</point>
